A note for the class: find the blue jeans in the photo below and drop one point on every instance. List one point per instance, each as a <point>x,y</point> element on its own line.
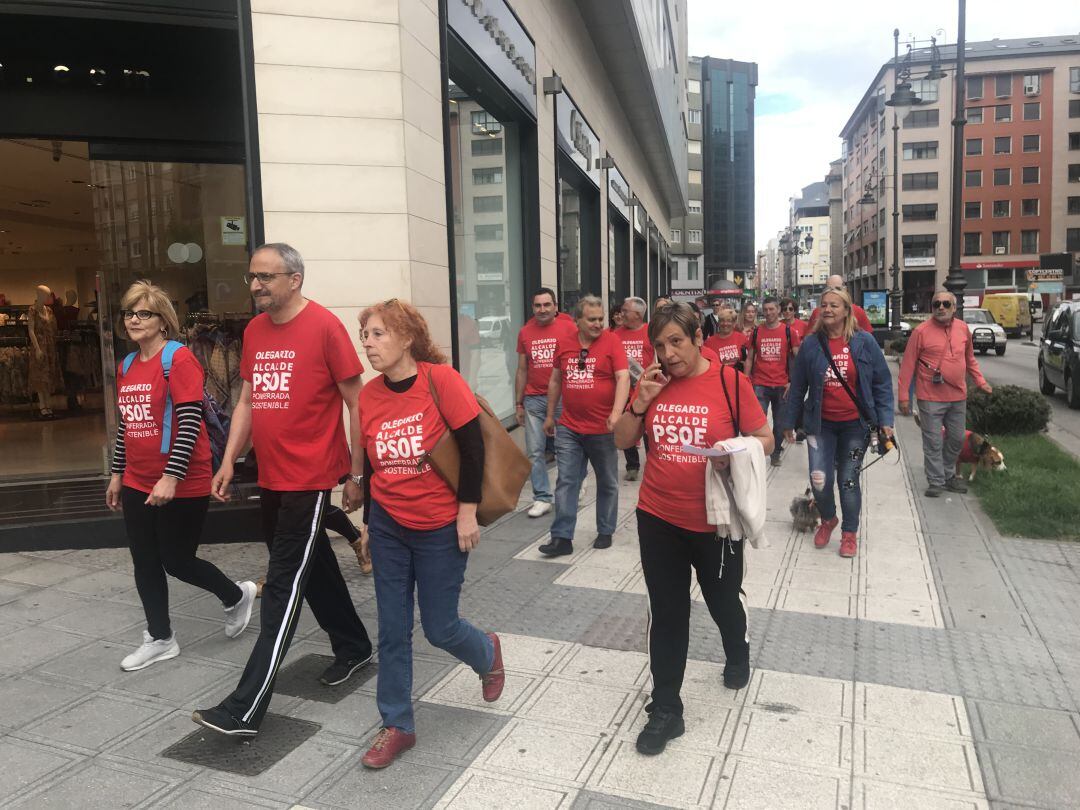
<point>836,454</point>
<point>430,564</point>
<point>572,451</point>
<point>772,395</point>
<point>538,443</point>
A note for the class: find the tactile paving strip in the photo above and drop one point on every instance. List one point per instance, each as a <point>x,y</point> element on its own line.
<point>301,679</point>
<point>278,737</point>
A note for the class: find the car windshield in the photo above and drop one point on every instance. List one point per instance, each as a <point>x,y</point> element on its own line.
<point>978,316</point>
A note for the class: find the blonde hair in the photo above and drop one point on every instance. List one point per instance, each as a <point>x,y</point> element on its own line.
<point>850,324</point>
<point>403,319</point>
<point>158,301</point>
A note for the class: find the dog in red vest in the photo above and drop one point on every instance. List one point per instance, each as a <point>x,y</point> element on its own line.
<point>976,451</point>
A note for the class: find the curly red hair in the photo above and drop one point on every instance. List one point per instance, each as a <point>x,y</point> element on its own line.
<point>403,319</point>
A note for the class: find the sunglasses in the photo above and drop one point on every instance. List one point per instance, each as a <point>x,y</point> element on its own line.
<point>942,304</point>
<point>138,314</point>
<point>581,359</point>
<point>789,309</point>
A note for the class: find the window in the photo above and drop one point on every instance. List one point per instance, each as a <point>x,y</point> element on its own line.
<point>1002,177</point>
<point>488,233</point>
<point>487,146</point>
<point>1029,241</point>
<point>1001,208</point>
<point>487,205</point>
<point>1072,239</point>
<point>1003,86</point>
<point>973,146</point>
<point>1031,143</point>
<point>692,270</point>
<point>974,115</point>
<point>920,246</point>
<point>1074,108</point>
<point>974,87</point>
<point>693,86</point>
<point>695,177</point>
<point>972,244</point>
<point>1029,207</point>
<point>1074,172</point>
<point>920,180</point>
<point>1074,80</point>
<point>694,116</point>
<point>693,236</point>
<point>676,235</point>
<point>972,178</point>
<point>920,211</point>
<point>1003,112</point>
<point>926,89</point>
<point>1001,242</point>
<point>1032,111</point>
<point>973,210</point>
<point>487,177</point>
<point>693,147</point>
<point>1074,140</point>
<point>999,277</point>
<point>917,119</point>
<point>694,206</point>
<point>489,262</point>
<point>1074,206</point>
<point>920,150</point>
<point>1003,145</point>
<point>484,123</point>
<point>1032,84</point>
<point>1029,174</point>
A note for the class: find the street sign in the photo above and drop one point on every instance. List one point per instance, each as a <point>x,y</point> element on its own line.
<point>233,231</point>
<point>1045,274</point>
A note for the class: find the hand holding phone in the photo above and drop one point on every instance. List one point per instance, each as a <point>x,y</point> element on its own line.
<point>652,380</point>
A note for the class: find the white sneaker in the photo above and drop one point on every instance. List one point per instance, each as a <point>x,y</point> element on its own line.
<point>238,616</point>
<point>539,508</point>
<point>151,651</point>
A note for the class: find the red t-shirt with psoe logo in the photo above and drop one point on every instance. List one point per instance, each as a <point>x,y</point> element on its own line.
<point>636,343</point>
<point>691,410</point>
<point>588,394</point>
<point>400,429</point>
<point>771,355</point>
<point>799,328</point>
<point>836,405</point>
<point>729,349</point>
<point>539,344</point>
<point>296,410</point>
<point>141,398</point>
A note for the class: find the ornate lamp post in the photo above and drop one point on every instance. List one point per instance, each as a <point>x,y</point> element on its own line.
<point>955,281</point>
<point>791,246</point>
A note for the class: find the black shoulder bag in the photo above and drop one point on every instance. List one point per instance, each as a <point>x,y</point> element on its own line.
<point>727,398</point>
<point>884,444</point>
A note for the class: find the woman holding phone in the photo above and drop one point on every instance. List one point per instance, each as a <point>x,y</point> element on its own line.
<point>684,398</point>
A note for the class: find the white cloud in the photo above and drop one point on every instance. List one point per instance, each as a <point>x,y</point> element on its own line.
<point>816,60</point>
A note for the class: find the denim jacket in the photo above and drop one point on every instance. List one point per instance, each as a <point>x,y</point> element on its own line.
<point>874,383</point>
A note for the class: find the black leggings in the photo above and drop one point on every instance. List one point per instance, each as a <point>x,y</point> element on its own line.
<point>163,540</point>
<point>336,520</point>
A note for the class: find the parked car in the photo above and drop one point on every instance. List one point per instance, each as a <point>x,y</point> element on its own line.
<point>492,328</point>
<point>986,333</point>
<point>1036,307</point>
<point>1011,311</point>
<point>1059,353</point>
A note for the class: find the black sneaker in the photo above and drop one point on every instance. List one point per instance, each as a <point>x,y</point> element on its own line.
<point>557,547</point>
<point>934,491</point>
<point>956,485</point>
<point>219,720</point>
<point>777,461</point>
<point>736,676</point>
<point>602,541</point>
<point>663,725</point>
<point>342,669</point>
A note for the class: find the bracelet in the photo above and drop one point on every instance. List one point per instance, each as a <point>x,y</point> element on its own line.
<point>357,479</point>
<point>635,413</point>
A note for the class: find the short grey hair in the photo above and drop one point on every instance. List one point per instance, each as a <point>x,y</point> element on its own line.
<point>586,301</point>
<point>944,292</point>
<point>290,256</point>
<point>638,304</point>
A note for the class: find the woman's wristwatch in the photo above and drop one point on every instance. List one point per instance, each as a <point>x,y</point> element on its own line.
<point>357,479</point>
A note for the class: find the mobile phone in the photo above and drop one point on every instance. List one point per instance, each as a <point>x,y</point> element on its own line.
<point>664,377</point>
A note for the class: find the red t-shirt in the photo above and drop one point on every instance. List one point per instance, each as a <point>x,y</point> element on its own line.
<point>729,349</point>
<point>588,394</point>
<point>710,354</point>
<point>836,405</point>
<point>141,398</point>
<point>860,318</point>
<point>539,344</point>
<point>771,355</point>
<point>799,328</point>
<point>636,343</point>
<point>400,429</point>
<point>296,421</point>
<point>691,410</point>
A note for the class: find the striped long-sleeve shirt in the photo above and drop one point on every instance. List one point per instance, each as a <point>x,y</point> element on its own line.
<point>189,419</point>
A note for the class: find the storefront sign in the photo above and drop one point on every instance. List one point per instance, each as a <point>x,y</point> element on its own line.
<point>876,305</point>
<point>489,277</point>
<point>1045,274</point>
<point>640,218</point>
<point>576,138</point>
<point>919,261</point>
<point>492,31</point>
<point>233,231</point>
<point>618,192</point>
<point>997,265</point>
<point>1051,287</point>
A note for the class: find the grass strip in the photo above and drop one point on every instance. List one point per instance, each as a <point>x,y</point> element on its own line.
<point>1038,495</point>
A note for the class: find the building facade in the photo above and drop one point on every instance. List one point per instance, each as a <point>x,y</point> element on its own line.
<point>687,232</point>
<point>455,153</point>
<point>806,272</point>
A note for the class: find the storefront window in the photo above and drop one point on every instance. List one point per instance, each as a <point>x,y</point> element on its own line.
<point>571,284</point>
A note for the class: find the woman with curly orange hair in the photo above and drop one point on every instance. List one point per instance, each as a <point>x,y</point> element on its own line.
<point>418,531</point>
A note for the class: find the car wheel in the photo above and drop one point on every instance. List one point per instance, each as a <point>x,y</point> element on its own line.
<point>1000,350</point>
<point>1045,386</point>
<point>982,351</point>
<point>1072,392</point>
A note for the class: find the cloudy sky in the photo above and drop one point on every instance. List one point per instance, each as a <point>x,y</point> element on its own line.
<point>814,67</point>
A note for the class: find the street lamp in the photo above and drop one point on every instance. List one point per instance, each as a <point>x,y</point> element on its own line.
<point>955,281</point>
<point>796,249</point>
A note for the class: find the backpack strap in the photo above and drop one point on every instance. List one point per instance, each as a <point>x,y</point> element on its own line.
<point>127,362</point>
<point>167,353</point>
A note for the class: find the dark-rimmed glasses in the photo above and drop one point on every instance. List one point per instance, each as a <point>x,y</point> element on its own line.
<point>942,304</point>
<point>264,278</point>
<point>138,314</point>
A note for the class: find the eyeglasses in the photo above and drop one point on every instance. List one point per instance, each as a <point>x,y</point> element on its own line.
<point>581,359</point>
<point>138,314</point>
<point>264,278</point>
<point>789,309</point>
<point>942,304</point>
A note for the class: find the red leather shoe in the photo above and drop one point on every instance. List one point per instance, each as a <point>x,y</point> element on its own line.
<point>492,683</point>
<point>824,532</point>
<point>848,544</point>
<point>388,744</point>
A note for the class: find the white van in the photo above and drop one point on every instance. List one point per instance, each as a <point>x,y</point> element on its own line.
<point>493,327</point>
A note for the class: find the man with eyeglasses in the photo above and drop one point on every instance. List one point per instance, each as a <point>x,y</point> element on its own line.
<point>940,357</point>
<point>298,366</point>
<point>591,378</point>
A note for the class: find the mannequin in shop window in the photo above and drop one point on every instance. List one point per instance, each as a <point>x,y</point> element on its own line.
<point>44,361</point>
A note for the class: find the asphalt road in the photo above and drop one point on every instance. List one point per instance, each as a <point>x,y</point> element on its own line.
<point>1019,366</point>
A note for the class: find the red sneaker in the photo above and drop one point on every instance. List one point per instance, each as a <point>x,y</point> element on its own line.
<point>848,544</point>
<point>389,743</point>
<point>492,683</point>
<point>824,532</point>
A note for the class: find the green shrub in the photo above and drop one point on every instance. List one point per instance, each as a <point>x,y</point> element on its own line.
<point>1010,409</point>
<point>898,345</point>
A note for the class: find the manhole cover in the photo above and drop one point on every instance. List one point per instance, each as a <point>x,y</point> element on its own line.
<point>278,737</point>
<point>301,679</point>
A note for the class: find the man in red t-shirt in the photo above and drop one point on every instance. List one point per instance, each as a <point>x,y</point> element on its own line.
<point>634,334</point>
<point>772,349</point>
<point>591,378</point>
<point>837,282</point>
<point>298,366</point>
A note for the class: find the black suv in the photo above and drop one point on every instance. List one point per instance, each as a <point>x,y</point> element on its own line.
<point>1059,353</point>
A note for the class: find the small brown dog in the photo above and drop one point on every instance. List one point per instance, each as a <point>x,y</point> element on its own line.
<point>978,452</point>
<point>804,513</point>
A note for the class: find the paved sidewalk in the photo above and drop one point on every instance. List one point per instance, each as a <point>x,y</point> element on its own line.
<point>938,669</point>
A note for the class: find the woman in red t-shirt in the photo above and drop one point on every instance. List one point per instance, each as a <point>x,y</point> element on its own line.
<point>728,343</point>
<point>418,531</point>
<point>685,399</point>
<point>164,487</point>
<point>747,317</point>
